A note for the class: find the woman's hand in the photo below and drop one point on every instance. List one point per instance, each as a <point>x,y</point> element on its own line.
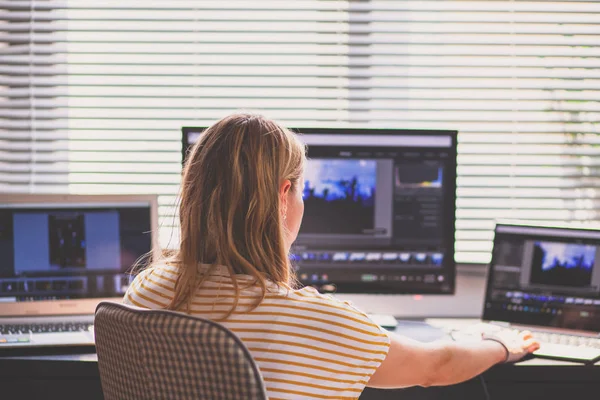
<point>516,343</point>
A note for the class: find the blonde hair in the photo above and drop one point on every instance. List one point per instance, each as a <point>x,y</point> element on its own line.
<point>230,209</point>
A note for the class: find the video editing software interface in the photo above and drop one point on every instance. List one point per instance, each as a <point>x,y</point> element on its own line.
<point>545,276</point>
<point>379,210</point>
<point>70,251</point>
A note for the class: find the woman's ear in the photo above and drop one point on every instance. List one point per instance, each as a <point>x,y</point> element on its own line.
<point>284,190</point>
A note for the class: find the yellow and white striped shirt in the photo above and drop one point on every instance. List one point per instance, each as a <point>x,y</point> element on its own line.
<point>307,345</point>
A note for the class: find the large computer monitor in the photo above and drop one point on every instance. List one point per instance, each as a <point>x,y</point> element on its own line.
<point>379,210</point>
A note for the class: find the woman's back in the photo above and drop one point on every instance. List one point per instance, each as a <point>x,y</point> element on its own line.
<point>307,345</point>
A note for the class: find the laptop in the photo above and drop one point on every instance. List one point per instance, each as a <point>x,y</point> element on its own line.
<point>61,256</point>
<point>547,280</point>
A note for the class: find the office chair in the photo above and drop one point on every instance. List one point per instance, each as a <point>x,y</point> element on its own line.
<point>161,354</point>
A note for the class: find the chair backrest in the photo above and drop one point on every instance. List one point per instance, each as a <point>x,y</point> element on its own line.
<point>160,354</point>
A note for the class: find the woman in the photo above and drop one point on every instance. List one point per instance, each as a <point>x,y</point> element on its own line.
<point>241,209</point>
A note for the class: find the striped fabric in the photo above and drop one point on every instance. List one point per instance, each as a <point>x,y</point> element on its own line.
<point>307,345</point>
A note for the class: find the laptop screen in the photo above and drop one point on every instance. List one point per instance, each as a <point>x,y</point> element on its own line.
<point>70,250</point>
<point>545,276</point>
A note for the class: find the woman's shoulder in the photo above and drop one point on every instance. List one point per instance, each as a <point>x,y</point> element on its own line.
<point>156,272</point>
<point>312,295</point>
<point>333,309</point>
<point>151,287</point>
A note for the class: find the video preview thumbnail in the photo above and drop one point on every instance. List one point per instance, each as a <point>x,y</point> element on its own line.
<point>339,196</point>
<point>418,176</point>
<point>67,240</point>
<point>562,264</point>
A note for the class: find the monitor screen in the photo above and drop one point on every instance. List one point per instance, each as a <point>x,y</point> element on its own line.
<point>67,251</point>
<point>379,211</point>
<point>545,276</point>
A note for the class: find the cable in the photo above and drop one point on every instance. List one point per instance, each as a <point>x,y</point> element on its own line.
<point>486,393</point>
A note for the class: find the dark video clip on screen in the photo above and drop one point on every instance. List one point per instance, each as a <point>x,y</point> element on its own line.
<point>565,264</point>
<point>379,210</point>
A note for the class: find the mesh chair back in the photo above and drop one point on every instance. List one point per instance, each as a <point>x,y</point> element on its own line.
<point>160,354</point>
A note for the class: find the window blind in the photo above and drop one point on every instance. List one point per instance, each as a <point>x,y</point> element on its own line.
<point>94,93</point>
<point>33,150</point>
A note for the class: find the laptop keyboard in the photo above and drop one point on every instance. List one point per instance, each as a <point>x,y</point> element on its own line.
<point>570,340</point>
<point>551,340</point>
<point>21,329</point>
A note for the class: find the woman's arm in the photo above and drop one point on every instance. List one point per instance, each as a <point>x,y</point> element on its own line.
<point>413,363</point>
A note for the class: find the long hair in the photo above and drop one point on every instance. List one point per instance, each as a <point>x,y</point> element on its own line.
<point>229,210</point>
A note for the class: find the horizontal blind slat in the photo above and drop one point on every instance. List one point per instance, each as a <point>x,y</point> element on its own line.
<point>94,93</point>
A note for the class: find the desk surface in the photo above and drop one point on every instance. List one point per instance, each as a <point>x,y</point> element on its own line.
<point>533,378</point>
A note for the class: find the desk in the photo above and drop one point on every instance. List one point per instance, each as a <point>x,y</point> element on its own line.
<point>74,375</point>
<point>527,380</point>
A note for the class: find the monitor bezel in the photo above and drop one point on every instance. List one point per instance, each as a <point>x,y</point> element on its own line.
<point>449,232</point>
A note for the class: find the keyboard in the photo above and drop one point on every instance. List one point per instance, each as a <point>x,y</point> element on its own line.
<point>565,347</point>
<point>20,329</point>
<point>569,340</point>
<point>20,334</point>
<point>554,346</point>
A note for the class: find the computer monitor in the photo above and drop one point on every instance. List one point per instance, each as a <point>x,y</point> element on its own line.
<point>67,252</point>
<point>379,210</point>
